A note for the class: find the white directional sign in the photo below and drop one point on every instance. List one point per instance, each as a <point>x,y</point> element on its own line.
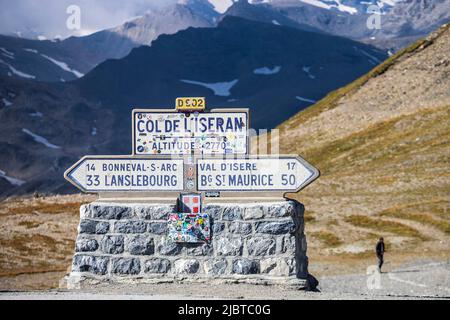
<point>167,132</point>
<point>287,174</point>
<point>108,174</point>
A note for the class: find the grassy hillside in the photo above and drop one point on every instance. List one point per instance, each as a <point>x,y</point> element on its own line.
<point>382,144</point>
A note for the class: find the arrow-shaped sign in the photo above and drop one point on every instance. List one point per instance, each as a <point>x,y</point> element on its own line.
<point>125,173</point>
<point>263,173</point>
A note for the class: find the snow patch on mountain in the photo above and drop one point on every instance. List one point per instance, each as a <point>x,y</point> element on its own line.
<point>63,66</point>
<point>17,72</point>
<point>221,5</point>
<point>13,181</point>
<point>6,102</point>
<point>337,4</point>
<point>267,71</point>
<point>6,53</point>
<point>36,114</point>
<point>307,70</point>
<point>305,99</point>
<point>40,139</point>
<point>221,89</point>
<point>372,59</point>
<point>31,50</point>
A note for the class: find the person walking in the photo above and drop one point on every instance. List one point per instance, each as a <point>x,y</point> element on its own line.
<point>380,250</point>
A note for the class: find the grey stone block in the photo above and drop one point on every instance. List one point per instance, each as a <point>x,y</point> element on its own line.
<point>112,244</point>
<point>169,248</point>
<point>259,246</point>
<point>278,266</point>
<point>86,245</point>
<point>109,212</point>
<point>288,244</point>
<point>232,213</point>
<point>214,211</point>
<point>93,227</point>
<point>157,227</point>
<point>245,266</point>
<point>199,249</point>
<point>281,211</point>
<point>157,265</point>
<point>254,212</point>
<point>126,266</point>
<point>141,245</point>
<point>226,246</point>
<point>275,227</point>
<point>85,263</point>
<point>216,266</point>
<point>161,212</point>
<point>186,266</point>
<point>130,227</point>
<point>217,227</point>
<point>243,228</point>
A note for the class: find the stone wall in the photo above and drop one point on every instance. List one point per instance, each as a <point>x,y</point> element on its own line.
<point>254,243</point>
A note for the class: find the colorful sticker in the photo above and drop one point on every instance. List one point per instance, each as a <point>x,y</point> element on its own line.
<point>189,227</point>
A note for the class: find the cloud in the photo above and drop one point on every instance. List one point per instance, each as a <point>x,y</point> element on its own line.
<point>48,17</point>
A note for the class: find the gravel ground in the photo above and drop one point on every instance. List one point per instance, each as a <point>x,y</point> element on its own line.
<point>421,280</point>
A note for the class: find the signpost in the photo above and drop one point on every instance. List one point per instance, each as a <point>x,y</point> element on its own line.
<point>283,173</point>
<point>167,132</point>
<point>109,174</point>
<point>209,156</point>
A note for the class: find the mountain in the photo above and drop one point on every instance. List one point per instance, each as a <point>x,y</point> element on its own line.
<point>240,62</point>
<point>402,21</point>
<point>382,146</point>
<point>41,60</point>
<point>264,13</point>
<point>118,42</point>
<point>274,70</point>
<point>69,59</point>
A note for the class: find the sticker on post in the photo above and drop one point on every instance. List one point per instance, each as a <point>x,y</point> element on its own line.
<point>189,228</point>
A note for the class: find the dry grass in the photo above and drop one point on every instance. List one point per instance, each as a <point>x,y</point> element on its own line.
<point>383,143</point>
<point>309,217</point>
<point>427,219</point>
<point>45,207</point>
<point>384,226</point>
<point>37,234</point>
<point>327,238</point>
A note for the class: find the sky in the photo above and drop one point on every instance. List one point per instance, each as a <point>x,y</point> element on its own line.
<point>48,18</point>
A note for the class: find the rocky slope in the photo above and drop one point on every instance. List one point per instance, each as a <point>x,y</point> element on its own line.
<point>382,145</point>
<point>69,59</point>
<point>402,21</point>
